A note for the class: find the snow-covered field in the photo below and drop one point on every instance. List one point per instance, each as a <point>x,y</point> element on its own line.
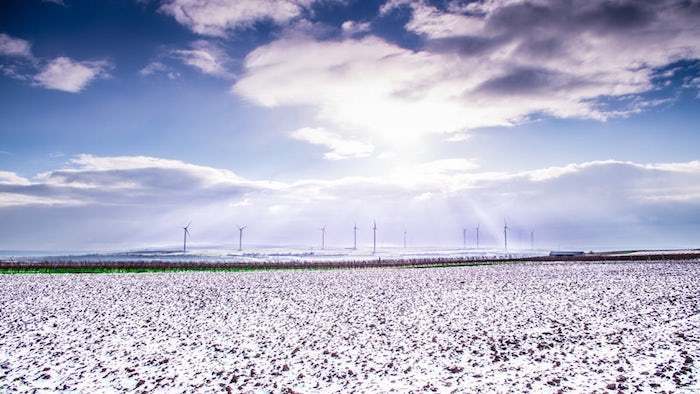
<point>524,327</point>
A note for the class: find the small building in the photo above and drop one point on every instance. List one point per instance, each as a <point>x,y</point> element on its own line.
<point>565,253</point>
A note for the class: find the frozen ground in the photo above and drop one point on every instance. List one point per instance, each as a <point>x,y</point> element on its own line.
<point>526,327</point>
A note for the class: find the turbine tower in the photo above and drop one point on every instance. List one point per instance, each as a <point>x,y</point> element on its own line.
<point>464,238</point>
<point>404,238</point>
<point>354,240</point>
<point>477,236</point>
<point>323,237</point>
<point>374,239</point>
<point>185,235</point>
<point>532,239</point>
<point>240,237</point>
<point>505,235</point>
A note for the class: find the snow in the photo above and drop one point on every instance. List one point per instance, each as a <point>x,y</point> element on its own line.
<point>277,254</point>
<point>516,327</point>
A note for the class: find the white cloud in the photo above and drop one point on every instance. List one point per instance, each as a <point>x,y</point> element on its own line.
<point>152,68</point>
<point>10,178</point>
<point>67,75</point>
<point>157,67</point>
<point>216,17</point>
<point>18,200</point>
<point>108,197</point>
<point>339,148</point>
<point>11,46</point>
<point>61,73</point>
<point>497,64</point>
<point>458,137</point>
<point>387,155</point>
<point>353,27</point>
<point>13,71</point>
<point>129,181</point>
<point>366,84</point>
<point>446,166</point>
<point>206,57</point>
<point>433,23</point>
<point>145,179</point>
<point>115,171</point>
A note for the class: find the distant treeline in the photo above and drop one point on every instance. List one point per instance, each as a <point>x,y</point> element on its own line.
<point>46,265</point>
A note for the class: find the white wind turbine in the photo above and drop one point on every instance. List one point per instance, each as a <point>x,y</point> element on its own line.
<point>186,234</point>
<point>323,237</point>
<point>240,237</point>
<point>354,239</point>
<point>477,236</point>
<point>374,239</point>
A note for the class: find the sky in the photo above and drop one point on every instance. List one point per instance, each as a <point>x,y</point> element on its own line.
<point>122,121</point>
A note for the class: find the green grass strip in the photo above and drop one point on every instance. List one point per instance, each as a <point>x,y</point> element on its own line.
<point>118,270</point>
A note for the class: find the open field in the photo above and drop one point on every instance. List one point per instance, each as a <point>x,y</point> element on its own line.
<point>540,327</point>
<point>253,258</point>
<point>127,263</point>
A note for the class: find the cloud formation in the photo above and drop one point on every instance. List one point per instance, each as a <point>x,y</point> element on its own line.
<point>435,200</point>
<point>433,22</point>
<point>353,27</point>
<point>489,63</point>
<point>339,148</point>
<point>12,46</point>
<point>68,75</point>
<point>142,180</point>
<point>217,17</point>
<point>206,57</point>
<point>61,73</point>
<point>157,67</point>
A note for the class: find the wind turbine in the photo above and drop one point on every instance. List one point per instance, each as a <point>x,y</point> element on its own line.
<point>374,239</point>
<point>477,236</point>
<point>323,237</point>
<point>505,235</point>
<point>404,238</point>
<point>532,239</point>
<point>354,240</point>
<point>185,235</point>
<point>240,237</point>
<point>464,238</point>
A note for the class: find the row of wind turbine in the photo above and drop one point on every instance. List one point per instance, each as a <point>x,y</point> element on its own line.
<point>186,235</point>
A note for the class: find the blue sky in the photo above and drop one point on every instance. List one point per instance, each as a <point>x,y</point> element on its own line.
<point>564,117</point>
